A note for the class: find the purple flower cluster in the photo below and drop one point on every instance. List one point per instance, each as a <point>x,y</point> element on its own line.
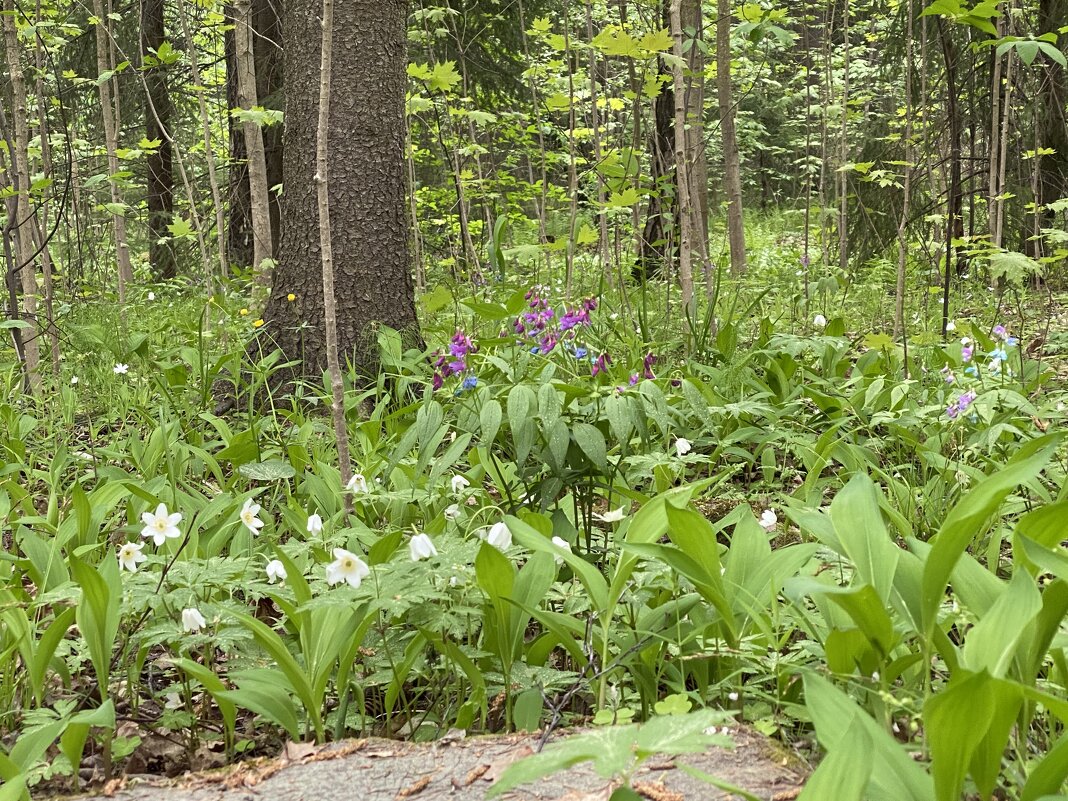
<point>543,329</point>
<point>647,370</point>
<point>454,360</point>
<point>960,405</point>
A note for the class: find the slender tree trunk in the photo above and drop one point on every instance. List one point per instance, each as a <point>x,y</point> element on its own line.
<point>108,109</point>
<point>158,113</point>
<point>572,161</point>
<point>322,183</point>
<point>955,218</point>
<point>656,250</point>
<point>843,173</point>
<point>266,21</point>
<point>1003,149</point>
<point>209,151</point>
<point>995,131</point>
<point>732,170</point>
<point>906,193</point>
<point>46,168</point>
<point>20,174</point>
<point>262,241</point>
<point>682,177</point>
<point>595,123</point>
<point>1053,100</point>
<point>368,210</point>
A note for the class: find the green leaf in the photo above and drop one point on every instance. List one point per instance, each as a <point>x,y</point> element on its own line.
<point>844,774</point>
<point>271,470</point>
<point>967,518</point>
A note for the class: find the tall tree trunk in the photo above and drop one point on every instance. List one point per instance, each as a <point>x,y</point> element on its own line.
<point>209,150</point>
<point>843,173</point>
<point>322,184</point>
<point>1053,100</point>
<point>368,215</point>
<point>266,20</point>
<point>732,169</point>
<point>20,174</point>
<point>995,132</point>
<point>656,251</point>
<point>906,192</point>
<point>46,169</point>
<point>682,172</point>
<point>955,199</point>
<point>108,110</point>
<point>262,241</point>
<point>160,185</point>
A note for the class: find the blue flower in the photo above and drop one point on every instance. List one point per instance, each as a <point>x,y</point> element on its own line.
<point>470,382</point>
<point>580,353</point>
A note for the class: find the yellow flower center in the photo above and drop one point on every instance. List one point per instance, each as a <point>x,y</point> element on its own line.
<point>347,564</point>
<point>160,524</point>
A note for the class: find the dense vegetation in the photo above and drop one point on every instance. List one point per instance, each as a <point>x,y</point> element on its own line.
<point>689,362</point>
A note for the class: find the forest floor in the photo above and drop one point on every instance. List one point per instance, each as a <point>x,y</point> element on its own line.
<point>463,769</point>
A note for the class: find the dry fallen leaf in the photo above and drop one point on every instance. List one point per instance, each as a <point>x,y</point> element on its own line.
<point>787,795</point>
<point>656,792</point>
<point>414,789</point>
<point>298,752</point>
<point>497,766</point>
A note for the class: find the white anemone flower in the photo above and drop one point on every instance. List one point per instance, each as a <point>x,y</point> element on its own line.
<point>151,295</point>
<point>161,526</point>
<point>120,369</point>
<point>73,379</point>
<point>819,321</point>
<point>683,446</point>
<point>315,525</point>
<point>130,556</point>
<point>499,536</point>
<point>563,545</point>
<point>421,547</point>
<point>768,519</point>
<point>193,621</point>
<point>357,484</point>
<point>459,484</point>
<point>452,512</point>
<point>248,516</point>
<point>276,571</point>
<point>613,516</point>
<point>951,326</point>
<point>348,567</point>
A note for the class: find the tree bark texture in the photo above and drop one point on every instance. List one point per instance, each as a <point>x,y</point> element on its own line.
<point>266,18</point>
<point>1053,122</point>
<point>368,217</point>
<point>656,251</point>
<point>259,187</point>
<point>109,114</point>
<point>158,114</point>
<point>24,256</point>
<point>732,168</point>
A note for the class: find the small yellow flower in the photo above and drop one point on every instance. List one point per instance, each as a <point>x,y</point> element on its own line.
<point>258,323</point>
<point>244,312</point>
<point>291,297</point>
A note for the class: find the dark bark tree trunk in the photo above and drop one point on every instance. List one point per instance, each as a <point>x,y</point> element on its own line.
<point>1053,123</point>
<point>369,221</point>
<point>955,199</point>
<point>267,43</point>
<point>657,243</point>
<point>160,182</point>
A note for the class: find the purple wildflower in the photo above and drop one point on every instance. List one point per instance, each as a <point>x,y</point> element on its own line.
<point>647,365</point>
<point>600,364</point>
